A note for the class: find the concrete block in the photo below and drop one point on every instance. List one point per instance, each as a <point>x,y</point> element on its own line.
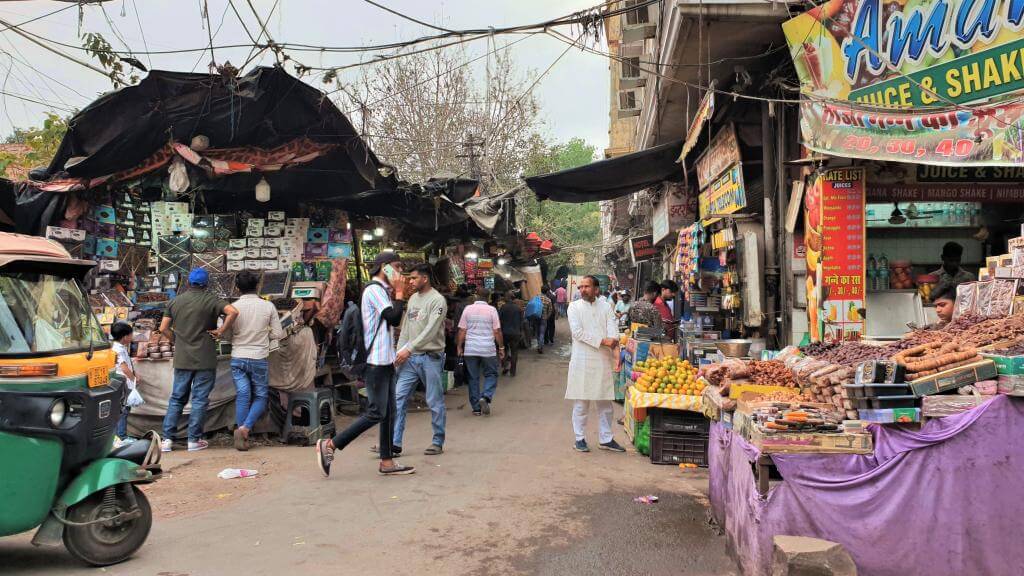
<point>803,556</point>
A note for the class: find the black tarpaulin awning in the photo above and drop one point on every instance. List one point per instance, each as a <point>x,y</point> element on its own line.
<point>611,178</point>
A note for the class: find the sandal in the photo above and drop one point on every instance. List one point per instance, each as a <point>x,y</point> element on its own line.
<point>434,450</point>
<point>396,470</point>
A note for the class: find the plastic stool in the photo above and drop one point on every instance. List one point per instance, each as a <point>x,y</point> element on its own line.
<point>315,419</point>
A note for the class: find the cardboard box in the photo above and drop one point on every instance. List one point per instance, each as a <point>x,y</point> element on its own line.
<point>640,350</point>
<point>268,264</point>
<point>236,243</point>
<point>893,415</point>
<point>632,418</point>
<point>269,253</point>
<point>273,242</point>
<point>1010,385</point>
<point>257,242</point>
<point>236,265</point>
<point>252,253</point>
<point>1007,365</point>
<point>236,255</point>
<point>796,442</point>
<point>953,379</point>
<point>274,230</point>
<point>276,216</point>
<point>252,265</point>
<point>948,405</point>
<point>57,233</point>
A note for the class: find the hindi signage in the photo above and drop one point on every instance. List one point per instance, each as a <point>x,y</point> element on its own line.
<point>724,196</point>
<point>723,152</point>
<point>834,247</point>
<point>671,212</point>
<point>704,112</point>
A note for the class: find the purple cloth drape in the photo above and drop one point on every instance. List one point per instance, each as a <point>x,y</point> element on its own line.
<point>945,500</point>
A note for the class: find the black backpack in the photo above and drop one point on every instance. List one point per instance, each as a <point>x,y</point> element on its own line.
<point>357,340</point>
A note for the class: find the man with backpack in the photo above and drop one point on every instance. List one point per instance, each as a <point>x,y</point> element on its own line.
<point>537,311</point>
<point>375,360</point>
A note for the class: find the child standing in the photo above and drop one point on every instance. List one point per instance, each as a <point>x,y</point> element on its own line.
<point>121,334</point>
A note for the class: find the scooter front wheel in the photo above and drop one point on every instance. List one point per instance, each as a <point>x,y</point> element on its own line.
<point>102,543</point>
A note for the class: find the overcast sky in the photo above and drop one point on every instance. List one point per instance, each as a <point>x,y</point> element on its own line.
<point>573,96</point>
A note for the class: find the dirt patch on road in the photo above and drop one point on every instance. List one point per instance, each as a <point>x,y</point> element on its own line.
<point>190,484</point>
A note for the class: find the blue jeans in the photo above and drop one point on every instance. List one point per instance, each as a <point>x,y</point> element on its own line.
<point>122,423</point>
<point>251,379</point>
<point>488,366</point>
<point>539,329</point>
<point>194,383</point>
<point>421,367</point>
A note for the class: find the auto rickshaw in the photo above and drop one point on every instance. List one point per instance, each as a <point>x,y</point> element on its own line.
<point>60,401</point>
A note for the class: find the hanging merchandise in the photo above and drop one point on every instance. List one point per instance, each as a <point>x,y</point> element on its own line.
<point>178,180</point>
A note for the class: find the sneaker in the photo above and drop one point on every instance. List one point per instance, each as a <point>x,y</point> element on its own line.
<point>433,450</point>
<point>396,470</point>
<point>613,446</point>
<point>324,457</point>
<point>581,446</point>
<point>166,445</point>
<point>485,406</point>
<point>477,413</point>
<point>197,446</point>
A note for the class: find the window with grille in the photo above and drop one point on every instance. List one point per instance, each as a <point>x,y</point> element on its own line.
<point>638,16</point>
<point>627,100</point>
<point>631,67</point>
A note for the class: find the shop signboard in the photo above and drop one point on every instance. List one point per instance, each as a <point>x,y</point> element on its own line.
<point>909,54</point>
<point>724,196</point>
<point>989,134</point>
<point>723,152</point>
<point>642,248</point>
<point>671,212</point>
<point>704,112</point>
<point>891,182</point>
<point>834,246</point>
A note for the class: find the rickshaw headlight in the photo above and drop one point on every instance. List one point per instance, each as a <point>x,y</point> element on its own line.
<point>58,410</point>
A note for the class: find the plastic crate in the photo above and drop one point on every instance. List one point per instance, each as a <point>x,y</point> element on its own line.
<point>679,449</point>
<point>664,420</point>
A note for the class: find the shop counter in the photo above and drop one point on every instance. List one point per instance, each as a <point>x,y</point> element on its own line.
<point>944,500</point>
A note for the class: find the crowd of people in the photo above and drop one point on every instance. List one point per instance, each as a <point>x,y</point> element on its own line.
<point>474,335</point>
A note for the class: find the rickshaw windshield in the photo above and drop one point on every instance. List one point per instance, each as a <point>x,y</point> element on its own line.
<point>45,313</point>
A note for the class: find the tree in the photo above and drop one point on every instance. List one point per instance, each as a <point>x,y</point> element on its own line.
<point>576,228</point>
<point>425,114</point>
<point>43,142</point>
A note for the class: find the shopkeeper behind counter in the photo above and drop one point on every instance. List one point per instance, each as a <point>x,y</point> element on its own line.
<point>951,274</point>
<point>944,300</point>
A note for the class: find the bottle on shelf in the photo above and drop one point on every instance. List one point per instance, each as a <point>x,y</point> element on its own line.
<point>872,273</point>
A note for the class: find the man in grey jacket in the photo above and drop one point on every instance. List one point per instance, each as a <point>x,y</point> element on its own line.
<point>421,356</point>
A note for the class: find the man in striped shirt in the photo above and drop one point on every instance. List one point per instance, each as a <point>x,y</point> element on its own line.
<point>379,314</point>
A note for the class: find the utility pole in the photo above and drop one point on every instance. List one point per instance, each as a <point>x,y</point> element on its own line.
<point>473,155</point>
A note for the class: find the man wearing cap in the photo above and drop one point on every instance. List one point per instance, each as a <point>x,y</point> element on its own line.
<point>380,312</point>
<point>191,322</point>
<point>951,274</point>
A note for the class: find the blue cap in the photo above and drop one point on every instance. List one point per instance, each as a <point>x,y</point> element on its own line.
<point>198,277</point>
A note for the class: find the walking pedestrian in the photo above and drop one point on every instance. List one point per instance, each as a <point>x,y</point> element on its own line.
<point>552,314</point>
<point>562,300</point>
<point>420,356</point>
<point>257,325</point>
<point>379,313</point>
<point>594,341</point>
<point>479,328</point>
<point>191,321</point>
<point>669,291</point>
<point>511,317</point>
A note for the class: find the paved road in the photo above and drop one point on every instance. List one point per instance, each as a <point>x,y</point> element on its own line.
<point>509,496</point>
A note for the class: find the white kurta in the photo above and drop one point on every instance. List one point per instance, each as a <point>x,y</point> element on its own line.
<point>590,366</point>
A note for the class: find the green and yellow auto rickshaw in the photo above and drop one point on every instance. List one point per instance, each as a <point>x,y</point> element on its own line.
<point>60,401</point>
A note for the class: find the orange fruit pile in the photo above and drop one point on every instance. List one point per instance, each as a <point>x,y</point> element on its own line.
<point>668,376</point>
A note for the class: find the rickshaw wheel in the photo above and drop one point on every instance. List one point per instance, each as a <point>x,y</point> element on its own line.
<point>106,543</point>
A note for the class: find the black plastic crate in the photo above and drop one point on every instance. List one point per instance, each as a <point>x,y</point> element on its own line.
<point>664,420</point>
<point>679,449</point>
<point>883,402</point>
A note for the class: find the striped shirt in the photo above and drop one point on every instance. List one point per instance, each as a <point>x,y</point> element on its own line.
<point>480,320</point>
<point>375,301</point>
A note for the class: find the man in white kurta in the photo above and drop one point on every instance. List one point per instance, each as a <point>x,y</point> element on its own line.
<point>595,338</point>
